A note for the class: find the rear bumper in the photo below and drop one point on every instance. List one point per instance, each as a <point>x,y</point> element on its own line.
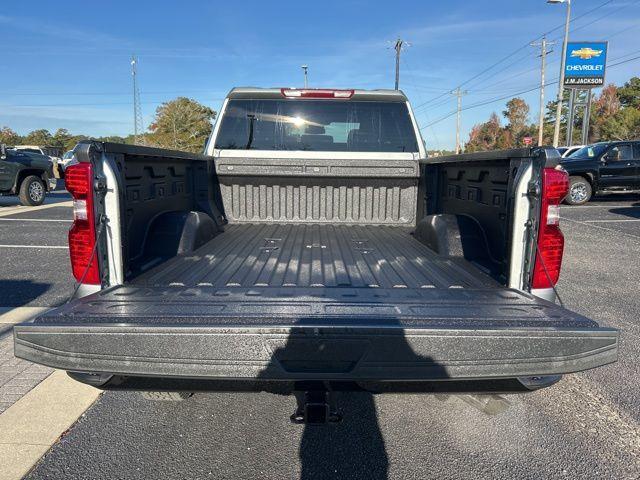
<point>352,353</point>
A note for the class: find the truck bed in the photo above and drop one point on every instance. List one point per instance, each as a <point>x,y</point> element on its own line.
<point>267,274</point>
<point>334,288</point>
<point>313,256</point>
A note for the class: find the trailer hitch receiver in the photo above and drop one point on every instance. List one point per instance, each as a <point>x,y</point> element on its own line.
<point>315,407</point>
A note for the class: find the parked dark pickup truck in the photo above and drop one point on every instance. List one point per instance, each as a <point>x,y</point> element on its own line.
<point>313,248</point>
<point>28,175</point>
<point>601,167</point>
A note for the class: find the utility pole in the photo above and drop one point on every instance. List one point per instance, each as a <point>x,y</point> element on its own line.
<point>304,69</point>
<point>543,55</point>
<point>459,94</point>
<point>398,49</point>
<point>565,44</point>
<point>137,111</point>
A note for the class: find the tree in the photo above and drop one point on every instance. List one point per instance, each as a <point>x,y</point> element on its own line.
<point>603,107</point>
<point>113,139</point>
<point>487,136</point>
<point>181,124</point>
<point>517,114</point>
<point>9,137</point>
<point>629,93</point>
<point>62,139</point>
<point>608,103</point>
<point>624,125</point>
<point>550,118</point>
<point>40,138</point>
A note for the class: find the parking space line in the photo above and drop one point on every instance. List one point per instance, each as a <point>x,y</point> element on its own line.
<point>21,209</point>
<point>613,221</point>
<point>35,246</point>
<point>617,232</point>
<point>33,220</point>
<point>575,207</point>
<point>14,315</point>
<point>35,422</point>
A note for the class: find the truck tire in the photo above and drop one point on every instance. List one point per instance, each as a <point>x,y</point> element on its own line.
<point>166,396</point>
<point>580,191</point>
<point>32,191</point>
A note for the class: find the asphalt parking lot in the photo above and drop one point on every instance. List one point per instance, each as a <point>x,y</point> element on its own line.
<point>587,426</point>
<point>35,269</point>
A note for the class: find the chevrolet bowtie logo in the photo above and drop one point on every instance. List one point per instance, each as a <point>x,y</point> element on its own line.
<point>586,53</point>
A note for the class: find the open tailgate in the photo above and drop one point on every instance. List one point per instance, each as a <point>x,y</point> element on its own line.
<point>334,333</point>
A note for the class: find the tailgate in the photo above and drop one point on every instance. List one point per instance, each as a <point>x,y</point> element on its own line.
<point>327,333</point>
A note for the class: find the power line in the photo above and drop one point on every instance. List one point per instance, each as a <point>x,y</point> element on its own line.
<point>604,16</point>
<point>507,57</point>
<point>625,55</point>
<point>573,30</point>
<point>624,61</point>
<point>576,18</point>
<point>433,132</point>
<point>99,94</point>
<point>488,102</point>
<point>103,104</point>
<point>494,100</point>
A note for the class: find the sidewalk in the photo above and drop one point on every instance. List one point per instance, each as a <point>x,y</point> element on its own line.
<point>17,377</point>
<point>37,404</point>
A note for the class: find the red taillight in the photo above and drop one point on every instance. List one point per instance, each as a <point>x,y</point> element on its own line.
<point>82,236</point>
<point>555,185</point>
<point>315,93</point>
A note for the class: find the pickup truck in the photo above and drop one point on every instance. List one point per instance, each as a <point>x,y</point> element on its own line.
<point>28,175</point>
<point>605,166</point>
<point>313,248</point>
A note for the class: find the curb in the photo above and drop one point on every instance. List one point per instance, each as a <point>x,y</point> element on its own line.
<point>35,422</point>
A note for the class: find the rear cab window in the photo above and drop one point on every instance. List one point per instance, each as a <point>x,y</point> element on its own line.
<point>316,125</point>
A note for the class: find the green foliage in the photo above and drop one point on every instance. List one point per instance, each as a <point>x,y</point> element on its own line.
<point>8,136</point>
<point>629,93</point>
<point>439,153</point>
<point>624,125</point>
<point>517,114</point>
<point>615,115</point>
<point>181,124</point>
<point>40,137</point>
<point>62,139</point>
<point>491,135</point>
<point>488,136</point>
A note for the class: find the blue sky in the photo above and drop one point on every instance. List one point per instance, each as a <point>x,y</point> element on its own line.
<point>66,64</point>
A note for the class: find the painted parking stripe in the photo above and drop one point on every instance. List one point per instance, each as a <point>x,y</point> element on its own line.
<point>21,209</point>
<point>593,225</point>
<point>19,314</point>
<point>613,221</point>
<point>575,207</point>
<point>35,246</point>
<point>34,220</point>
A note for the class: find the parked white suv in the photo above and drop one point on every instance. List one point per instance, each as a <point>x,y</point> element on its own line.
<point>566,151</point>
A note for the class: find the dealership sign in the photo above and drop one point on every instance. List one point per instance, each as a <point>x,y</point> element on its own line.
<point>585,64</point>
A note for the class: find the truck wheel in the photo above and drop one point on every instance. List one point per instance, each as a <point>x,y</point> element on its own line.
<point>32,191</point>
<point>580,191</point>
<point>166,396</point>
